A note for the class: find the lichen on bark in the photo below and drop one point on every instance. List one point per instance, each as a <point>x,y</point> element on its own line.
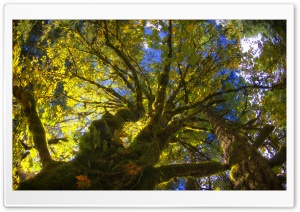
<point>249,169</point>
<point>33,121</point>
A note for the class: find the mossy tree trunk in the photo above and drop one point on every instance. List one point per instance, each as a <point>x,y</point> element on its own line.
<point>104,161</point>
<point>117,168</point>
<point>249,170</point>
<point>34,123</point>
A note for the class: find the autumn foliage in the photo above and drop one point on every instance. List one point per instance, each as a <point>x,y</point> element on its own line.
<point>133,104</point>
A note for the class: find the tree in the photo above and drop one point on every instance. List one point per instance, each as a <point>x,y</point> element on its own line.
<point>137,104</point>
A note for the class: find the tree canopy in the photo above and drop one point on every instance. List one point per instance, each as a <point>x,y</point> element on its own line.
<point>149,104</point>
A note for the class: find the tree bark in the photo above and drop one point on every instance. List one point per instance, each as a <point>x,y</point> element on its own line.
<point>153,176</point>
<point>263,134</point>
<point>112,169</point>
<point>34,123</point>
<point>279,158</point>
<point>191,184</point>
<point>249,169</point>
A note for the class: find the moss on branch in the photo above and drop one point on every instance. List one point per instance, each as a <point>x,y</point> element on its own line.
<point>263,134</point>
<point>279,158</point>
<point>33,121</point>
<point>153,176</point>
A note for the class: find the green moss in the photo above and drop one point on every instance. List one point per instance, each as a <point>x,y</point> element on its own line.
<point>149,180</point>
<point>236,153</point>
<point>233,172</point>
<point>55,176</point>
<point>124,114</point>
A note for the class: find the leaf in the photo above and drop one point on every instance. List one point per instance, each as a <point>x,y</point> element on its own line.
<point>194,59</point>
<point>190,28</point>
<point>132,169</point>
<point>84,67</point>
<point>126,29</point>
<point>83,182</point>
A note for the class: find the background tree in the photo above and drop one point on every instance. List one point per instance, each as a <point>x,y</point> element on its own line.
<point>147,105</point>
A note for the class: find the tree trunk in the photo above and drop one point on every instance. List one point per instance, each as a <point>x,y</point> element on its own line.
<point>102,162</point>
<point>34,123</point>
<point>114,174</point>
<point>249,169</point>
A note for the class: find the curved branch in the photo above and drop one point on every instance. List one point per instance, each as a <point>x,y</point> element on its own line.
<point>138,90</point>
<point>108,90</point>
<point>35,125</point>
<point>105,60</point>
<point>211,96</point>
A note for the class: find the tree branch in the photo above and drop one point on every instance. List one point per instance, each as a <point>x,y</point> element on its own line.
<point>263,134</point>
<point>199,103</point>
<point>163,80</point>
<point>153,176</point>
<point>35,125</point>
<point>193,149</point>
<point>99,104</point>
<point>106,61</point>
<point>108,90</point>
<point>186,98</point>
<point>182,84</point>
<point>138,90</point>
<point>56,140</point>
<point>190,170</point>
<point>279,158</point>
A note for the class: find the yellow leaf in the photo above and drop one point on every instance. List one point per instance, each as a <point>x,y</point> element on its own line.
<point>126,29</point>
<point>190,28</point>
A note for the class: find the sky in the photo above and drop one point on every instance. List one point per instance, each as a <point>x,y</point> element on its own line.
<point>247,43</point>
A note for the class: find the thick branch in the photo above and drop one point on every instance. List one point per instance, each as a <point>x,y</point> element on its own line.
<point>153,176</point>
<point>279,158</point>
<point>169,130</point>
<point>163,79</point>
<point>151,141</point>
<point>34,123</point>
<point>263,134</point>
<point>190,170</point>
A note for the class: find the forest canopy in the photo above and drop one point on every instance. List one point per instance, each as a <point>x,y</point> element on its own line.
<point>149,105</point>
